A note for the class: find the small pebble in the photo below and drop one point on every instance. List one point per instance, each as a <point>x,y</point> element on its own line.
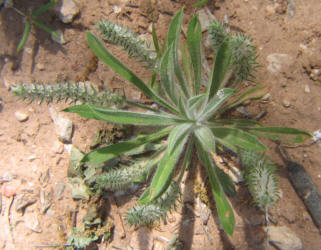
<point>21,116</point>
<point>307,89</point>
<point>286,103</point>
<point>40,66</point>
<point>32,158</point>
<point>266,97</point>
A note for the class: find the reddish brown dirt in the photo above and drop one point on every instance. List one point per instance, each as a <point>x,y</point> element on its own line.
<point>29,149</point>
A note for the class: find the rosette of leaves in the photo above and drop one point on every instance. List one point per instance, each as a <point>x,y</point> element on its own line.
<point>189,120</point>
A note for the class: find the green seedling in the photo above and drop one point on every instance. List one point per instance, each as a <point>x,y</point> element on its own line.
<point>32,19</point>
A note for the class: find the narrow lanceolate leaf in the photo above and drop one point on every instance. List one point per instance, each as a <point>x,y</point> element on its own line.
<point>155,39</point>
<point>122,116</point>
<point>167,74</point>
<point>215,103</point>
<point>44,8</point>
<point>102,53</point>
<point>280,133</point>
<point>206,138</point>
<point>176,135</point>
<point>195,104</point>
<point>224,208</point>
<point>106,153</point>
<point>233,138</point>
<point>194,36</point>
<point>45,28</point>
<point>222,62</point>
<point>173,38</point>
<point>25,35</point>
<point>165,170</point>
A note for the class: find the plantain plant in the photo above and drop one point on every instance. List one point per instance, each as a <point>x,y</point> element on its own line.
<point>189,117</point>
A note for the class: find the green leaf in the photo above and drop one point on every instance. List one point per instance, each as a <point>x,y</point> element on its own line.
<point>215,103</point>
<point>155,39</point>
<point>122,116</point>
<point>165,170</point>
<point>247,95</point>
<point>173,38</point>
<point>25,35</point>
<point>187,64</point>
<point>200,3</point>
<point>106,153</point>
<point>224,209</point>
<point>222,62</point>
<point>45,28</point>
<point>167,74</point>
<point>102,53</point>
<point>235,122</point>
<point>194,36</point>
<point>44,8</point>
<point>226,182</point>
<point>195,103</point>
<point>206,138</point>
<point>276,133</point>
<point>176,135</point>
<point>233,138</point>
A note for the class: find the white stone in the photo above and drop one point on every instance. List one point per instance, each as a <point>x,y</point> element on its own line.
<point>21,116</point>
<point>206,18</point>
<point>63,126</point>
<point>307,89</point>
<point>286,103</point>
<point>283,238</point>
<point>266,97</point>
<point>277,61</point>
<point>67,10</point>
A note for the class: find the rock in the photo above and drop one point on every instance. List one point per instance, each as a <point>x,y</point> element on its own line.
<point>32,223</point>
<point>286,103</point>
<point>60,190</point>
<point>206,18</point>
<point>277,61</point>
<point>40,66</point>
<point>24,200</point>
<point>63,126</point>
<point>6,84</point>
<point>158,245</point>
<point>315,74</point>
<point>60,39</point>
<point>283,238</point>
<point>7,177</point>
<point>266,97</point>
<point>21,116</point>
<point>67,10</point>
<point>142,239</point>
<point>307,89</point>
<point>317,135</point>
<point>58,148</point>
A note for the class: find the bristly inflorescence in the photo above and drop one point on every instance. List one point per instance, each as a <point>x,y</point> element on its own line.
<point>243,52</point>
<point>261,180</point>
<point>135,47</point>
<point>147,214</point>
<point>81,92</point>
<point>121,178</point>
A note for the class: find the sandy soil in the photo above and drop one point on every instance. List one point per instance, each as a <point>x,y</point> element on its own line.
<point>34,162</point>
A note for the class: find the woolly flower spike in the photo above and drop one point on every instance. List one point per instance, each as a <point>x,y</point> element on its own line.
<point>121,178</point>
<point>66,91</point>
<point>146,215</point>
<point>218,32</point>
<point>243,52</point>
<point>262,183</point>
<point>135,47</point>
<point>243,57</point>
